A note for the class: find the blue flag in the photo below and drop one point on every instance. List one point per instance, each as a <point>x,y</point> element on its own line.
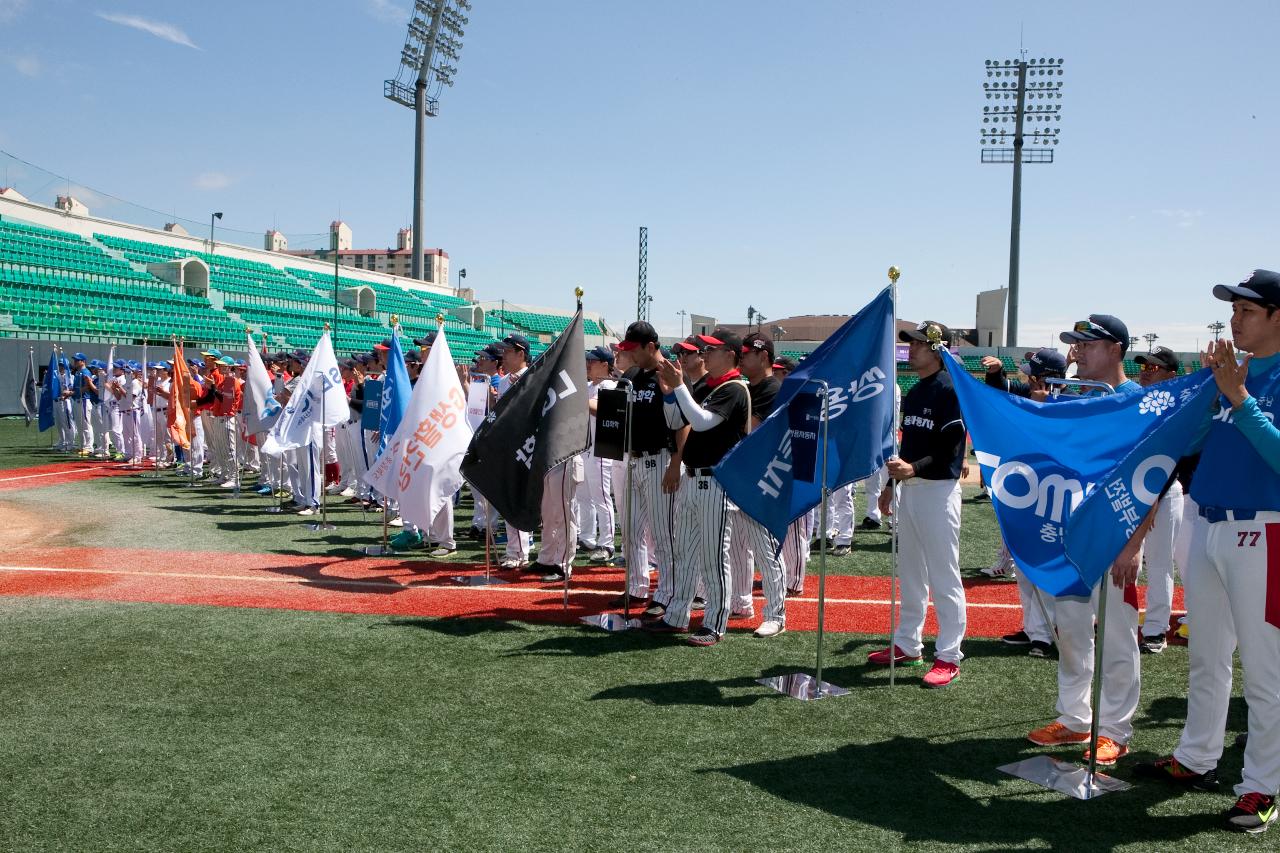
<point>395,393</point>
<point>50,392</point>
<point>857,362</point>
<point>1041,460</point>
<point>1099,528</point>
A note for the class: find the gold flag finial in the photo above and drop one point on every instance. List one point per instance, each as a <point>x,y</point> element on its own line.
<point>577,291</point>
<point>440,319</point>
<point>394,320</point>
<point>326,327</point>
<point>894,273</point>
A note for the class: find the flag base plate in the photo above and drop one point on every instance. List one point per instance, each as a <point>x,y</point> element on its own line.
<point>612,622</point>
<point>476,580</point>
<point>1064,777</point>
<point>322,525</point>
<point>273,510</point>
<point>802,686</point>
<point>379,551</point>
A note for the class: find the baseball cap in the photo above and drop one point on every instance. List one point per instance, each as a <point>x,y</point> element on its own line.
<point>492,352</point>
<point>1099,327</point>
<point>686,347</point>
<point>758,341</point>
<point>64,361</point>
<point>94,364</point>
<point>119,363</point>
<point>722,338</point>
<point>427,340</point>
<point>213,353</point>
<point>1260,286</point>
<point>784,362</point>
<point>516,341</point>
<point>79,357</point>
<point>385,345</point>
<point>1161,357</point>
<point>600,353</point>
<point>638,334</point>
<point>1042,361</point>
<point>412,356</point>
<point>921,333</point>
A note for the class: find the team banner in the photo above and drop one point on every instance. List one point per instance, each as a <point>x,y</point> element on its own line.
<point>30,390</point>
<point>477,400</point>
<point>537,424</point>
<point>1099,528</point>
<point>857,364</point>
<point>260,406</point>
<point>51,392</point>
<point>182,427</point>
<point>1041,460</point>
<point>371,414</point>
<point>319,400</point>
<point>421,466</point>
<point>396,390</point>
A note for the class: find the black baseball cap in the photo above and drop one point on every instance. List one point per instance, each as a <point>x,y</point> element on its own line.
<point>384,345</point>
<point>516,341</point>
<point>1099,327</point>
<point>412,356</point>
<point>1044,360</point>
<point>722,337</point>
<point>1161,357</point>
<point>921,333</point>
<point>1260,286</point>
<point>638,334</point>
<point>427,340</point>
<point>758,341</point>
<point>688,346</point>
<point>785,362</point>
<point>600,353</point>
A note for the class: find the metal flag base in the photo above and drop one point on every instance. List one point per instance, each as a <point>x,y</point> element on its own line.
<point>323,525</point>
<point>614,623</point>
<point>1064,777</point>
<point>476,580</point>
<point>379,551</point>
<point>802,686</point>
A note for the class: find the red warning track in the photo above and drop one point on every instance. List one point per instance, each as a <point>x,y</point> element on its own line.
<point>57,473</point>
<point>420,588</point>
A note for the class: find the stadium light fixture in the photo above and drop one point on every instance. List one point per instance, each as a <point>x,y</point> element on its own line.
<point>428,63</point>
<point>1004,137</point>
<point>1216,327</point>
<point>1151,338</point>
<point>212,217</point>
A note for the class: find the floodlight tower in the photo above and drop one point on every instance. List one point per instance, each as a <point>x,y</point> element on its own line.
<point>1007,81</point>
<point>427,64</point>
<point>642,278</point>
<point>1216,327</point>
<point>1151,338</point>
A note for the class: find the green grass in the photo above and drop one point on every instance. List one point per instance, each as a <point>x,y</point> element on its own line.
<point>22,445</point>
<point>158,727</point>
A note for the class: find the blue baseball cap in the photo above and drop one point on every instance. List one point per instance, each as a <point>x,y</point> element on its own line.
<point>1044,360</point>
<point>213,353</point>
<point>79,357</point>
<point>1260,286</point>
<point>600,353</point>
<point>516,341</point>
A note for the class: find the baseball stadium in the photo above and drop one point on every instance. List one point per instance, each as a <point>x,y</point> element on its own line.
<point>338,548</point>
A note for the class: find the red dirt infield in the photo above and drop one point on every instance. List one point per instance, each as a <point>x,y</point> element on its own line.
<point>394,586</point>
<point>57,473</point>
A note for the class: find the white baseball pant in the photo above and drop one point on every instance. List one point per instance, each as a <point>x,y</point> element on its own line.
<point>1121,675</point>
<point>874,485</point>
<point>84,416</point>
<point>1158,550</point>
<point>795,551</point>
<point>929,561</point>
<point>559,529</point>
<point>651,509</point>
<point>1227,596</point>
<point>703,531</point>
<point>840,515</point>
<point>751,546</point>
<point>595,502</point>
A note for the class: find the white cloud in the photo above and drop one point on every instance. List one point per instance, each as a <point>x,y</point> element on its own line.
<point>159,29</point>
<point>11,9</point>
<point>212,181</point>
<point>386,11</point>
<point>1181,217</point>
<point>28,65</point>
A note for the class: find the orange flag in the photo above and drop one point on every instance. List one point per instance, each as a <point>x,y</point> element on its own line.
<point>181,426</point>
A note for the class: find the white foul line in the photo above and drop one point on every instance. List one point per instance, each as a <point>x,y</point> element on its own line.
<point>376,584</point>
<point>57,473</point>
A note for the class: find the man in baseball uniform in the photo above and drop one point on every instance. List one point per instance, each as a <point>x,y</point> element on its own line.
<point>927,473</point>
<point>84,396</point>
<point>1231,581</point>
<point>515,361</point>
<point>705,516</point>
<point>595,495</point>
<point>1098,345</point>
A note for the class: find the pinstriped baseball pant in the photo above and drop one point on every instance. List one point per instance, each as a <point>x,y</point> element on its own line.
<point>754,546</point>
<point>651,508</point>
<point>703,531</point>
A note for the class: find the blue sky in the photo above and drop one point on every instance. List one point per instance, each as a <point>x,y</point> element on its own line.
<point>782,155</point>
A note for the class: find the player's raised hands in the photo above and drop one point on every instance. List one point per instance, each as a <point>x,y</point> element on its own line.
<point>670,377</point>
<point>1220,357</point>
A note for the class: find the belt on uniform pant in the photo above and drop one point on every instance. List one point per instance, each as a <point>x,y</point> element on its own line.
<point>697,472</point>
<point>1214,514</point>
<point>645,454</point>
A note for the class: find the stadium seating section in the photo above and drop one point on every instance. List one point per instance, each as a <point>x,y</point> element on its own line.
<point>59,285</point>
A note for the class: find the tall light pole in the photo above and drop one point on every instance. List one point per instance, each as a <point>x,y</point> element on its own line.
<point>1007,81</point>
<point>212,217</point>
<point>1216,327</point>
<point>427,64</point>
<point>683,313</point>
<point>462,273</point>
<point>1151,338</point>
<point>642,278</point>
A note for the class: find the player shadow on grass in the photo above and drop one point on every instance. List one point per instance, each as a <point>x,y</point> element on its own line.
<point>454,626</point>
<point>924,791</point>
<point>312,575</point>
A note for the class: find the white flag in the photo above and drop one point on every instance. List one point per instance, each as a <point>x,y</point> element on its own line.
<point>318,401</point>
<point>421,465</point>
<point>260,407</point>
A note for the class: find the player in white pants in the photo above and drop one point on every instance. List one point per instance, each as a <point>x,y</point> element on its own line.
<point>595,494</point>
<point>1230,576</point>
<point>795,552</point>
<point>559,527</point>
<point>874,485</point>
<point>752,546</point>
<point>840,519</point>
<point>926,474</point>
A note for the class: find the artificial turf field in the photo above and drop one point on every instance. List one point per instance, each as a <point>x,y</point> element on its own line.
<point>139,725</point>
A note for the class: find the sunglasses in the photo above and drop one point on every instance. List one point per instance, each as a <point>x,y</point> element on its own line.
<point>1153,368</point>
<point>1085,326</point>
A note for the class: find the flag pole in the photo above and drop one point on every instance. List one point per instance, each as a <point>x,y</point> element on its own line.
<point>570,549</point>
<point>610,621</point>
<point>894,274</point>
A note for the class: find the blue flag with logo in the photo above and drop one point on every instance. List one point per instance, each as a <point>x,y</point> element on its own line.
<point>50,392</point>
<point>395,393</point>
<point>1042,460</point>
<point>857,362</point>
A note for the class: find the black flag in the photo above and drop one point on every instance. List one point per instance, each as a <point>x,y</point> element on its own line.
<point>30,389</point>
<point>539,423</point>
